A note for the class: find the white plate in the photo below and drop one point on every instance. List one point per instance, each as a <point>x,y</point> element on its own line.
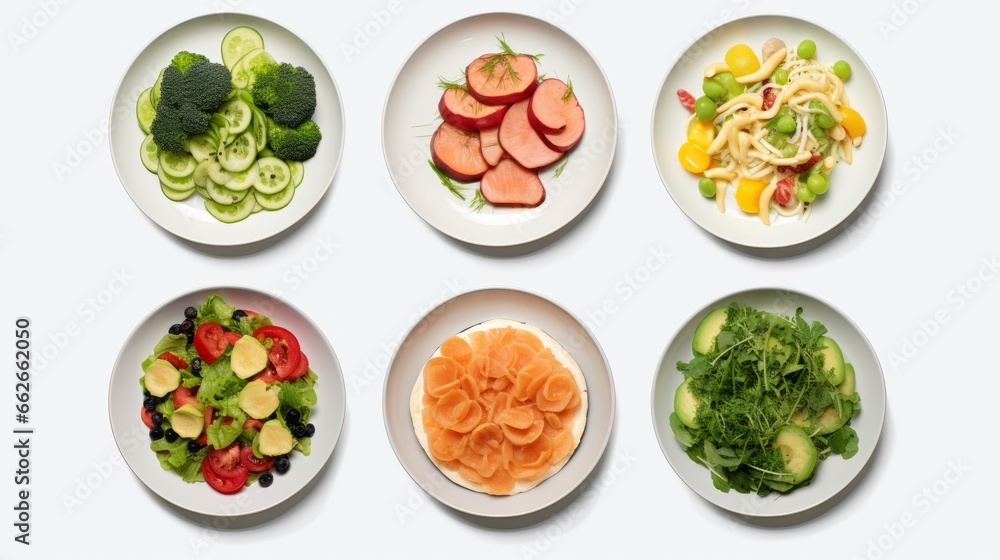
<point>410,117</point>
<point>849,184</point>
<point>456,315</point>
<point>125,402</point>
<point>832,475</point>
<point>189,219</point>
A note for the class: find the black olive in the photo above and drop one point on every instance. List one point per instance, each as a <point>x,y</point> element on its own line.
<point>266,479</point>
<point>175,328</point>
<point>187,326</point>
<point>196,366</point>
<point>157,418</point>
<point>239,314</point>
<point>310,430</point>
<point>156,433</point>
<point>149,403</point>
<point>190,336</point>
<point>281,463</point>
<point>190,312</point>
<point>298,430</point>
<point>170,435</point>
<point>193,446</point>
<point>292,416</point>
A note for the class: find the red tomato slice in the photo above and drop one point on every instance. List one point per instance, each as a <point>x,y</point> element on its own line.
<point>231,337</point>
<point>226,462</point>
<point>174,360</point>
<point>184,395</point>
<point>251,423</point>
<point>252,463</point>
<point>209,341</point>
<point>302,370</point>
<point>209,414</point>
<point>284,351</point>
<point>225,485</point>
<point>268,375</point>
<point>147,418</point>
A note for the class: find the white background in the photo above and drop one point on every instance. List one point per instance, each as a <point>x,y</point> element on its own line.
<point>893,268</point>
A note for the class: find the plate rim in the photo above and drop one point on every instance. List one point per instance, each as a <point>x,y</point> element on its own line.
<point>470,239</point>
<point>665,438</point>
<point>258,237</point>
<point>604,437</point>
<point>778,244</point>
<point>340,418</point>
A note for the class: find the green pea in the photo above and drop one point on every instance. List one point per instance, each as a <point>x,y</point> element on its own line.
<point>786,124</point>
<point>842,69</point>
<point>789,150</point>
<point>707,186</point>
<point>728,80</point>
<point>818,183</point>
<point>824,120</point>
<point>705,108</point>
<point>806,49</point>
<point>780,76</point>
<point>804,194</point>
<point>713,88</point>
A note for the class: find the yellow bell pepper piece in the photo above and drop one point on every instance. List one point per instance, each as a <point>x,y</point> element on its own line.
<point>742,60</point>
<point>701,133</point>
<point>852,122</point>
<point>748,195</point>
<point>694,158</point>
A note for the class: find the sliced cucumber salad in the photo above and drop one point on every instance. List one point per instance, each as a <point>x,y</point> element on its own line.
<point>230,164</point>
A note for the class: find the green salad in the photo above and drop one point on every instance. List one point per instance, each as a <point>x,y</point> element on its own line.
<point>227,397</point>
<point>764,399</point>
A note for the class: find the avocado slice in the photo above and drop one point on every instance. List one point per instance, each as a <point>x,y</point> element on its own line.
<point>161,377</point>
<point>257,401</point>
<point>274,439</point>
<point>833,360</point>
<point>686,405</point>
<point>847,387</point>
<point>249,357</point>
<point>188,421</point>
<point>707,331</point>
<point>798,453</point>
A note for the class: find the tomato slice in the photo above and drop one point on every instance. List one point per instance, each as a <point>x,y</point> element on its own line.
<point>174,360</point>
<point>302,369</point>
<point>226,485</point>
<point>284,351</point>
<point>268,375</point>
<point>209,415</point>
<point>252,463</point>
<point>231,337</point>
<point>147,418</point>
<point>209,341</point>
<point>226,462</point>
<point>252,423</point>
<point>184,395</point>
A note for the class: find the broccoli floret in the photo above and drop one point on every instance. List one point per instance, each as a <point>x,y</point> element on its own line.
<point>285,93</point>
<point>187,101</point>
<point>184,59</point>
<point>294,144</point>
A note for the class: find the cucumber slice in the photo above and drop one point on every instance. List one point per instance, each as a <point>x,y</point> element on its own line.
<point>238,42</point>
<point>201,172</point>
<point>144,111</point>
<point>174,194</point>
<point>154,93</point>
<point>175,183</point>
<point>179,165</point>
<point>254,59</point>
<point>239,154</point>
<point>244,179</point>
<point>265,152</point>
<point>222,195</point>
<point>231,213</point>
<point>238,113</point>
<point>273,175</point>
<point>298,172</point>
<point>220,126</point>
<point>275,201</point>
<point>259,128</point>
<point>203,147</point>
<point>149,153</point>
<point>202,192</point>
<point>256,206</point>
<point>217,174</point>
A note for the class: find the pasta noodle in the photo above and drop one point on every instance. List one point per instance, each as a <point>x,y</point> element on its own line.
<point>779,126</point>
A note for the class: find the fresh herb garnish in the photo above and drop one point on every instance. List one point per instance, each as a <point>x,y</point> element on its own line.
<point>569,91</point>
<point>477,203</point>
<point>560,169</point>
<point>504,57</point>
